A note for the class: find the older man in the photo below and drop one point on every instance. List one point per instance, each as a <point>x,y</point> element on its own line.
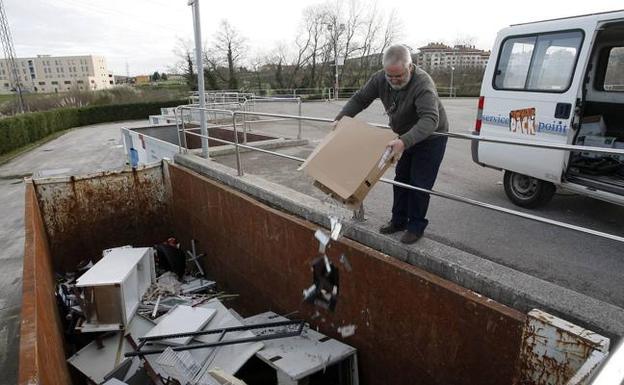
<point>415,112</point>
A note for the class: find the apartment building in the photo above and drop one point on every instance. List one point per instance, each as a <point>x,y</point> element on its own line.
<point>49,74</point>
<point>440,56</point>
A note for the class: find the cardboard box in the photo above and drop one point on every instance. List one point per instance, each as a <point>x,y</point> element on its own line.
<point>596,141</point>
<point>348,161</point>
<point>593,125</point>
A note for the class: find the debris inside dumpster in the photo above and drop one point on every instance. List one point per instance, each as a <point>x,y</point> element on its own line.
<point>325,276</point>
<point>177,329</point>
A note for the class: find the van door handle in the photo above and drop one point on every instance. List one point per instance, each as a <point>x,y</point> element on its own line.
<point>562,110</point>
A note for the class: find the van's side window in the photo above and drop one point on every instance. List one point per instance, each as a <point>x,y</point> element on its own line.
<point>614,74</point>
<point>543,62</point>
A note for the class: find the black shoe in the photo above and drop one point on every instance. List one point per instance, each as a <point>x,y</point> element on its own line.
<point>391,228</point>
<point>409,237</point>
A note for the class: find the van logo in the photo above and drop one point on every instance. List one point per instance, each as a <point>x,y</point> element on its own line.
<point>522,120</point>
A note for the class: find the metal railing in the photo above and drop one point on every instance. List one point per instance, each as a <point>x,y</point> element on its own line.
<point>457,198</point>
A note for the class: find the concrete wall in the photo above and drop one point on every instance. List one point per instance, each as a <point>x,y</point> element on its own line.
<point>84,215</point>
<point>41,355</point>
<point>412,326</point>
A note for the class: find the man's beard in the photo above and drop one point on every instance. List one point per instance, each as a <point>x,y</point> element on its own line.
<point>397,87</point>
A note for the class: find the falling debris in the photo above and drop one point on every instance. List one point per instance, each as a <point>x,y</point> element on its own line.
<point>345,261</point>
<point>324,290</point>
<point>323,239</point>
<point>336,227</point>
<point>347,330</point>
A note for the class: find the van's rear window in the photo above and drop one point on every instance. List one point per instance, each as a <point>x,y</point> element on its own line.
<point>614,74</point>
<point>541,62</point>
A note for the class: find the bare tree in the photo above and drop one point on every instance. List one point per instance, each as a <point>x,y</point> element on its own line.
<point>185,64</point>
<point>392,32</point>
<point>229,45</point>
<point>314,25</point>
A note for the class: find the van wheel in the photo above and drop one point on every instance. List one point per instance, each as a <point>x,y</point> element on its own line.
<point>526,191</point>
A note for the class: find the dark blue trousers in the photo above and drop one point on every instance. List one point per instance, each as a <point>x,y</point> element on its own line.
<point>419,167</point>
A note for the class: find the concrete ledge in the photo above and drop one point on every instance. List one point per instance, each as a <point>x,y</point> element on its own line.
<point>271,144</point>
<point>500,283</point>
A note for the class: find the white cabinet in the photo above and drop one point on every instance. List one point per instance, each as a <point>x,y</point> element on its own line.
<point>113,287</point>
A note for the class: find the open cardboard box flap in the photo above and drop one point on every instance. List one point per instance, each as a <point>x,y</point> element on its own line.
<point>347,162</point>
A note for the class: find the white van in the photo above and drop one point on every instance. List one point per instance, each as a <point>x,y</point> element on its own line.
<point>556,81</point>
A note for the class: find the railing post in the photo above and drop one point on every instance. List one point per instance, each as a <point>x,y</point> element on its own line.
<point>358,214</point>
<point>239,165</point>
<point>299,120</point>
<point>175,116</point>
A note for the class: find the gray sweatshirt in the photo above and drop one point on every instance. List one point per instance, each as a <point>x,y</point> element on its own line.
<point>414,112</point>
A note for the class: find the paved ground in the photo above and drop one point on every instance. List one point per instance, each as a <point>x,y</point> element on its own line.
<point>84,150</point>
<point>580,262</point>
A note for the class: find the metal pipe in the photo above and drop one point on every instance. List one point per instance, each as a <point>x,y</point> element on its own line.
<point>265,325</point>
<point>299,120</point>
<point>200,75</point>
<point>175,116</point>
<point>239,165</point>
<point>264,337</point>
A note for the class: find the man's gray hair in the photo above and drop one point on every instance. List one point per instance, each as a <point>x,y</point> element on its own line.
<point>397,54</point>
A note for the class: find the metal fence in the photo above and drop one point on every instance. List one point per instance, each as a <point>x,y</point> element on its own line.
<point>182,131</point>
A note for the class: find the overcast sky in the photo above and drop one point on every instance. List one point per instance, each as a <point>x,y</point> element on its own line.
<point>144,33</point>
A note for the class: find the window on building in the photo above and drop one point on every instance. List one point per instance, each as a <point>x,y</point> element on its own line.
<point>54,82</point>
<point>80,82</point>
<point>68,82</point>
<point>6,85</point>
<point>42,83</point>
<point>542,62</point>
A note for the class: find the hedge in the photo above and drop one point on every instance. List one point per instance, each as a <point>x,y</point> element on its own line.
<point>21,130</point>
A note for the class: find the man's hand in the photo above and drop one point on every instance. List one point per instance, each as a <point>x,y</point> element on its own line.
<point>397,146</point>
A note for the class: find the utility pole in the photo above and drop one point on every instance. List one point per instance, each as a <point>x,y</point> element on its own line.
<point>9,54</point>
<point>200,76</point>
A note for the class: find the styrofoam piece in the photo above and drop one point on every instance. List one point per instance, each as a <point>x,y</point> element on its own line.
<point>336,227</point>
<point>323,239</point>
<point>301,355</point>
<point>181,319</point>
<point>347,330</point>
<point>96,363</point>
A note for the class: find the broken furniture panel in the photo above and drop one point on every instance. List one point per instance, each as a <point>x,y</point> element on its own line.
<point>113,287</point>
<point>103,359</point>
<point>181,319</point>
<point>296,358</point>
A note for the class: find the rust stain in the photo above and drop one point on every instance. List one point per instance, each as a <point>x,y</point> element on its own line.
<point>85,215</point>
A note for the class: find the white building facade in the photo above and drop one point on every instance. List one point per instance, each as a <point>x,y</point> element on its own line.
<point>52,74</point>
<point>435,56</point>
